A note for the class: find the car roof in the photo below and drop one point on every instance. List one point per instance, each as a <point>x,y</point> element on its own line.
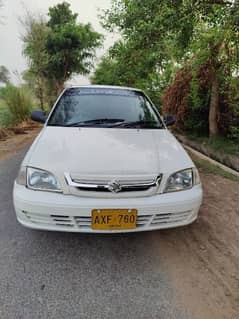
<point>103,87</point>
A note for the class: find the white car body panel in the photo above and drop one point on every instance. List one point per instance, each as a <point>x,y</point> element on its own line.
<point>38,210</point>
<point>106,153</point>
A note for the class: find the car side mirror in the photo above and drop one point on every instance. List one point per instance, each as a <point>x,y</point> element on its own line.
<point>169,120</point>
<point>38,116</point>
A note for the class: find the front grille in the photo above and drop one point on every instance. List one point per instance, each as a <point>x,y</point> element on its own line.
<point>151,219</point>
<point>113,185</point>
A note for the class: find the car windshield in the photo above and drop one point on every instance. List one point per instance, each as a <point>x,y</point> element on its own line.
<point>104,108</point>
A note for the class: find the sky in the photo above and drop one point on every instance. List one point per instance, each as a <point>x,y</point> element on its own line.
<point>11,30</point>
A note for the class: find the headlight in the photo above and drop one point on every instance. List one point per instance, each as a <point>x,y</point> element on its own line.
<point>182,180</point>
<point>22,176</point>
<point>38,179</point>
<point>196,177</point>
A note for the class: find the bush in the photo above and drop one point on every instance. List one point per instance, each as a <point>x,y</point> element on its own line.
<point>3,92</point>
<point>188,99</point>
<point>19,102</point>
<point>5,115</point>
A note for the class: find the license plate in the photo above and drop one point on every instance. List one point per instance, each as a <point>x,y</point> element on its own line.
<point>114,219</point>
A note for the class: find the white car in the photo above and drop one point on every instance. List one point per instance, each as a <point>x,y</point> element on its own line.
<point>105,162</point>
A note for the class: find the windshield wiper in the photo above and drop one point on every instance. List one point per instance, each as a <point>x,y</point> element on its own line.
<point>95,121</point>
<point>140,123</point>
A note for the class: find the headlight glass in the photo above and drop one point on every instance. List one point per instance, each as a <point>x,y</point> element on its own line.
<point>180,181</point>
<point>41,180</point>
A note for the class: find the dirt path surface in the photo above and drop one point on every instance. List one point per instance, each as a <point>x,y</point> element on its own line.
<point>190,272</point>
<point>203,259</point>
<point>13,144</point>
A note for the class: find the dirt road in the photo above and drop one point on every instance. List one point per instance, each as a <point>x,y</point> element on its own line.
<point>190,272</point>
<point>12,145</point>
<point>203,259</point>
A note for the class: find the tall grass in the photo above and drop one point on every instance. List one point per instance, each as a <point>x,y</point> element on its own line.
<point>19,102</point>
<point>5,115</point>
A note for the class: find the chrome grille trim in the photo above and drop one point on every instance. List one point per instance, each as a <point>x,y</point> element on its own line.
<point>104,186</point>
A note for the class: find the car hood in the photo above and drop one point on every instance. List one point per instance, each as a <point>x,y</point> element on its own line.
<point>107,151</point>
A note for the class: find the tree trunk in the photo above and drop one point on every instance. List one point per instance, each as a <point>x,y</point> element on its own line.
<point>41,99</point>
<point>59,87</point>
<point>214,107</point>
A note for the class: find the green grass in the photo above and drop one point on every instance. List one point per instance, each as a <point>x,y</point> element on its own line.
<point>3,106</point>
<point>219,144</point>
<point>5,115</point>
<point>210,168</point>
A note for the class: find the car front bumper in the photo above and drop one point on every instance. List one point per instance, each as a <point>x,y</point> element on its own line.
<point>58,212</point>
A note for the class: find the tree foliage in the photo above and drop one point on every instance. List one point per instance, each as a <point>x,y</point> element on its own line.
<point>57,49</point>
<point>70,45</point>
<point>186,38</point>
<point>214,62</point>
<point>34,39</point>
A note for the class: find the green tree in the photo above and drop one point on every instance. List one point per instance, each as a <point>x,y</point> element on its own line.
<point>34,41</point>
<point>106,72</point>
<point>126,65</point>
<point>160,37</point>
<point>214,49</point>
<point>56,49</point>
<point>70,45</point>
<point>150,47</point>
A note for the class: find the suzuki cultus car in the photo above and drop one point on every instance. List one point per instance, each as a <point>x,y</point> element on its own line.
<point>106,162</point>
